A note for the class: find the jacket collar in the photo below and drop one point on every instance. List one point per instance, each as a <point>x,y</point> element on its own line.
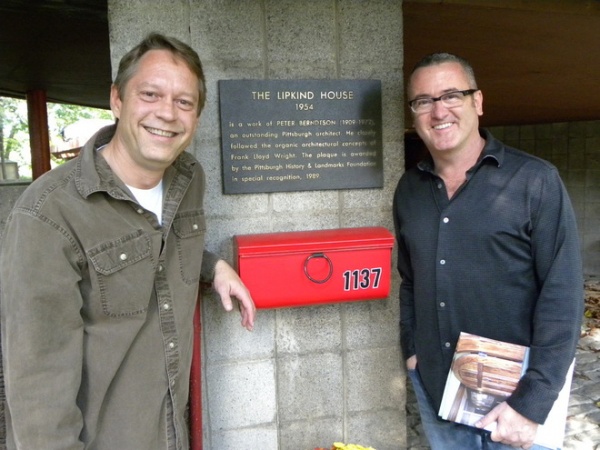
<point>93,174</point>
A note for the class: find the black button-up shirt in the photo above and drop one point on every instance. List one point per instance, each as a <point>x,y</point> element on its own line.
<point>500,259</point>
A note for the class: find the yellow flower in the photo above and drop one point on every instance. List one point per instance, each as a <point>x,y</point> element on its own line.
<point>341,446</point>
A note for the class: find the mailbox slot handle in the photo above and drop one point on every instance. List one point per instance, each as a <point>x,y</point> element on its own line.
<point>326,258</point>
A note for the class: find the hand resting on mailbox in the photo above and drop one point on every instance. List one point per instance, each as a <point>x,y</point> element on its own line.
<point>228,284</point>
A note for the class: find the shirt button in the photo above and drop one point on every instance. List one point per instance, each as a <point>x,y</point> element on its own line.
<point>442,304</point>
<point>123,256</point>
<point>171,345</point>
<point>160,268</point>
<point>195,226</point>
<point>446,220</point>
<point>140,211</point>
<point>442,261</point>
<point>166,306</point>
<point>447,345</point>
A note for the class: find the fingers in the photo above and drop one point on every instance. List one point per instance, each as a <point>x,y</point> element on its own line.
<point>488,419</point>
<point>227,302</point>
<point>512,428</point>
<point>228,284</point>
<point>245,306</point>
<point>248,317</point>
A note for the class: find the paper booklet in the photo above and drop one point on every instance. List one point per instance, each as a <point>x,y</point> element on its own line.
<point>484,373</point>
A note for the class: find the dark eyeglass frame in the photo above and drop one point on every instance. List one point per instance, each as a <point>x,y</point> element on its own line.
<point>437,99</point>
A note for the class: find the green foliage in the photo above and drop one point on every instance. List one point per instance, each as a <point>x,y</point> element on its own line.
<point>13,125</point>
<point>14,130</point>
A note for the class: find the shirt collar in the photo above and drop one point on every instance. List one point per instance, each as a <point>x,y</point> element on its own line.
<point>493,152</point>
<point>93,173</point>
<point>493,149</point>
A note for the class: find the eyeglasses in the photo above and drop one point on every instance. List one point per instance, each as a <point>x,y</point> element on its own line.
<point>449,100</point>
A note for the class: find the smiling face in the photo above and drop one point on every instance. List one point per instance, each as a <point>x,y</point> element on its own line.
<point>157,113</point>
<point>446,129</point>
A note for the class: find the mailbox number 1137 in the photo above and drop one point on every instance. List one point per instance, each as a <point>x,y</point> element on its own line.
<point>362,279</point>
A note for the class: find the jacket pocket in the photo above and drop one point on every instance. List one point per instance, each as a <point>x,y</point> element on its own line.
<point>124,272</point>
<point>190,229</point>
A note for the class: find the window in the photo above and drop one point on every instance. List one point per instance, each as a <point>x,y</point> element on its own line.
<point>69,127</point>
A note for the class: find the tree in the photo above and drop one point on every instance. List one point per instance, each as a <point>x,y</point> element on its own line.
<point>14,130</point>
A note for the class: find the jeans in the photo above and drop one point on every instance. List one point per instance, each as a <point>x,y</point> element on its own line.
<point>444,435</point>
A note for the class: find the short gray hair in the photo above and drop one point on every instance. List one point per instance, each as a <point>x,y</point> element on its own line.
<point>440,58</point>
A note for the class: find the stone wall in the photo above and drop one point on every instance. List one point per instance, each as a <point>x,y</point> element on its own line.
<point>574,148</point>
<point>8,197</point>
<point>306,377</point>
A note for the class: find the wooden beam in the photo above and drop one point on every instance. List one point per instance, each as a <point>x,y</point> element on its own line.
<point>39,139</point>
<point>581,7</point>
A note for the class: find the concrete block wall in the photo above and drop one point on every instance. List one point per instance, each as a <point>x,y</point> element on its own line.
<point>8,196</point>
<point>574,148</point>
<point>305,377</point>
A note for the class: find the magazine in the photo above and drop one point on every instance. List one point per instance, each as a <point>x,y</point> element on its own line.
<point>484,373</point>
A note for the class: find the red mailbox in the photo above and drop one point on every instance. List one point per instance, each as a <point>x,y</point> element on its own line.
<point>304,268</point>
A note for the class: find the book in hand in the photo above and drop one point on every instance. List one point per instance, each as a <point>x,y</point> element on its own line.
<point>484,373</point>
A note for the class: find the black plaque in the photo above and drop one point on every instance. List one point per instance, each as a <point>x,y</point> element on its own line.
<point>300,135</point>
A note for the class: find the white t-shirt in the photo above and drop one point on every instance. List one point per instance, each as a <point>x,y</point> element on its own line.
<point>151,199</point>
